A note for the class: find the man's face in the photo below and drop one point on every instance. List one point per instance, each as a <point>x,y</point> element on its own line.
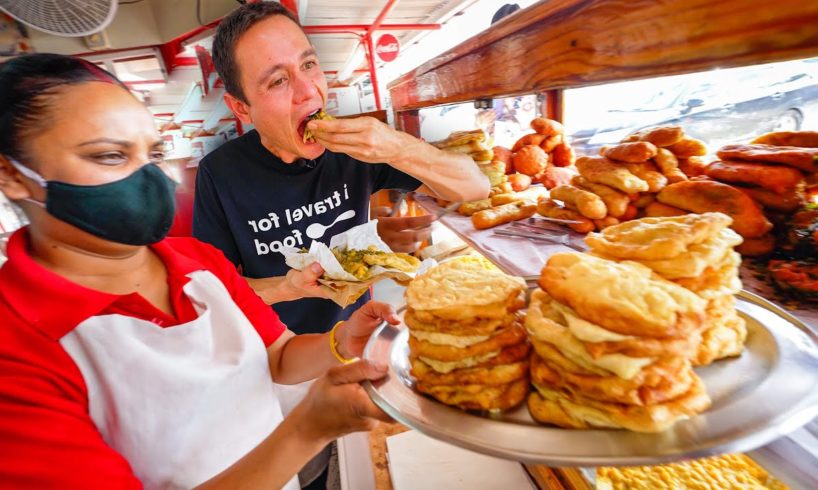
<point>283,84</point>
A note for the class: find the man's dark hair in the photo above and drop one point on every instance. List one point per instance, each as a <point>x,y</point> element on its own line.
<point>231,28</point>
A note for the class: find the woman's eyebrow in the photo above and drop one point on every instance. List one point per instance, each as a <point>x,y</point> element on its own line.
<point>107,140</point>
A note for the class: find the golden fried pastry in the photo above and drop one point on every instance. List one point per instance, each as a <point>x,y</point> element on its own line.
<point>551,209</point>
<point>495,171</point>
<point>563,155</point>
<point>553,176</point>
<point>704,196</point>
<point>650,174</point>
<point>447,353</point>
<point>551,142</point>
<point>657,210</point>
<point>464,288</point>
<point>637,151</point>
<point>755,247</point>
<point>478,397</point>
<point>776,178</point>
<point>459,138</point>
<point>603,171</point>
<point>530,160</point>
<point>571,410</point>
<point>587,203</point>
<point>657,238</point>
<point>471,207</point>
<point>644,201</point>
<point>546,127</point>
<point>787,202</point>
<point>502,154</point>
<point>662,135</point>
<point>519,182</point>
<point>661,381</point>
<point>668,164</point>
<point>616,202</point>
<point>693,166</point>
<point>716,280</point>
<point>500,199</point>
<point>802,139</point>
<point>725,339</point>
<point>510,355</point>
<point>805,159</point>
<point>476,326</point>
<point>688,147</point>
<point>529,139</point>
<point>606,222</point>
<point>501,188</point>
<point>491,376</point>
<point>622,297</point>
<point>505,213</point>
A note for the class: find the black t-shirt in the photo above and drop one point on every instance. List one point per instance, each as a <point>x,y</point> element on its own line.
<point>249,204</point>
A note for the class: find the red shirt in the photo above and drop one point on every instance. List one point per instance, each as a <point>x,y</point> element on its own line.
<point>47,438</point>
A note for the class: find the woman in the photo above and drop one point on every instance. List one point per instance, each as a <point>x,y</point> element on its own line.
<point>126,358</point>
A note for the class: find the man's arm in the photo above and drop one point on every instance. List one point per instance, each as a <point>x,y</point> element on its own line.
<point>446,175</point>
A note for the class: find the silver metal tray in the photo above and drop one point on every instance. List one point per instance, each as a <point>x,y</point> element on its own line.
<point>770,391</point>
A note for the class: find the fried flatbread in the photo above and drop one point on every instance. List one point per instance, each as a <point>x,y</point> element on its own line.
<point>626,297</point>
<point>509,355</point>
<point>490,376</point>
<point>449,353</point>
<point>725,339</point>
<point>479,397</point>
<point>569,410</point>
<point>717,280</point>
<point>657,238</point>
<point>422,321</point>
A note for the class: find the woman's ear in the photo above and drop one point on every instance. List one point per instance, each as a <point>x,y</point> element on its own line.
<point>11,181</point>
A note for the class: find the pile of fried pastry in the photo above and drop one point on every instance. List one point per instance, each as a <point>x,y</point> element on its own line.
<point>695,251</point>
<point>467,345</point>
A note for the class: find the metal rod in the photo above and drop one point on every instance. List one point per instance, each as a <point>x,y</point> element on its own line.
<point>342,28</point>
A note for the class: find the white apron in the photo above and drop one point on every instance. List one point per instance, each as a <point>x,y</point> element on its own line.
<point>180,403</point>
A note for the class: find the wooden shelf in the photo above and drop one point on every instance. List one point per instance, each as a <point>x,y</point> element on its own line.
<point>560,44</point>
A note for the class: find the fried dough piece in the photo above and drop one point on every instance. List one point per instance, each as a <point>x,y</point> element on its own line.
<point>635,152</point>
<point>726,339</point>
<point>661,381</point>
<point>704,196</point>
<point>657,209</point>
<point>688,147</point>
<point>603,171</point>
<point>553,176</point>
<point>754,247</point>
<point>776,178</point>
<point>563,155</point>
<point>551,142</point>
<point>490,376</point>
<point>475,326</point>
<point>459,138</point>
<point>448,353</point>
<point>644,201</point>
<point>661,135</point>
<point>471,207</point>
<point>716,280</point>
<point>668,164</point>
<point>510,355</point>
<point>477,396</point>
<point>550,209</point>
<point>574,411</point>
<point>801,139</point>
<point>529,139</point>
<point>625,297</point>
<point>519,182</point>
<point>648,172</point>
<point>616,202</point>
<point>530,160</point>
<point>546,127</point>
<point>505,213</point>
<point>606,222</point>
<point>657,238</point>
<point>692,166</point>
<point>786,202</point>
<point>587,203</point>
<point>502,154</point>
<point>805,159</point>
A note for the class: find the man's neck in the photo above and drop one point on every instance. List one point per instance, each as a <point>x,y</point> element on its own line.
<point>282,155</point>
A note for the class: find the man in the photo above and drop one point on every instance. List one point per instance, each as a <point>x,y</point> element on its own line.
<point>269,189</point>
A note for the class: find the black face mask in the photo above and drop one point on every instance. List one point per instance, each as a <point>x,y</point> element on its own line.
<point>136,210</point>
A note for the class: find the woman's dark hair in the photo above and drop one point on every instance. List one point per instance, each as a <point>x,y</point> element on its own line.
<point>231,28</point>
<point>27,85</point>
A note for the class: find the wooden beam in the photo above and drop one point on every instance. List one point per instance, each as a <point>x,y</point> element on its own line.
<point>575,43</point>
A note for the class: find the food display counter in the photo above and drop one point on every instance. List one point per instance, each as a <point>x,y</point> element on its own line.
<point>564,44</point>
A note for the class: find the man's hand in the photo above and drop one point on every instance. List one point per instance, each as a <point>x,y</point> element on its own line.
<point>363,138</point>
<point>295,285</point>
<point>402,234</point>
<point>337,404</point>
<point>353,334</point>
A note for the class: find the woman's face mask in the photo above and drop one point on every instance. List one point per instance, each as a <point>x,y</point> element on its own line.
<point>136,210</point>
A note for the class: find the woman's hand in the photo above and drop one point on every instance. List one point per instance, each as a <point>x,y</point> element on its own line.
<point>336,404</point>
<point>353,334</point>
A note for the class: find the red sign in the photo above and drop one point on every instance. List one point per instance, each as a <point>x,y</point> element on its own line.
<point>387,47</point>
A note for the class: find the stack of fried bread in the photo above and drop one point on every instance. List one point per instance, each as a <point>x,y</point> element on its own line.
<point>621,184</point>
<point>612,345</point>
<point>467,345</point>
<point>694,251</point>
<point>475,144</point>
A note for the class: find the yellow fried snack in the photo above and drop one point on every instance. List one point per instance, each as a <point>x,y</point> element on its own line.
<point>728,471</point>
<point>659,136</point>
<point>477,396</point>
<point>587,203</point>
<point>319,115</point>
<point>449,353</point>
<point>634,152</point>
<point>603,171</point>
<point>724,339</point>
<point>471,207</point>
<point>491,376</point>
<point>650,174</point>
<point>504,213</point>
<point>688,147</point>
<point>626,297</point>
<point>551,209</point>
<point>657,238</point>
<point>359,262</point>
<point>802,139</point>
<point>805,159</point>
<point>668,164</point>
<point>464,288</point>
<point>615,201</point>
